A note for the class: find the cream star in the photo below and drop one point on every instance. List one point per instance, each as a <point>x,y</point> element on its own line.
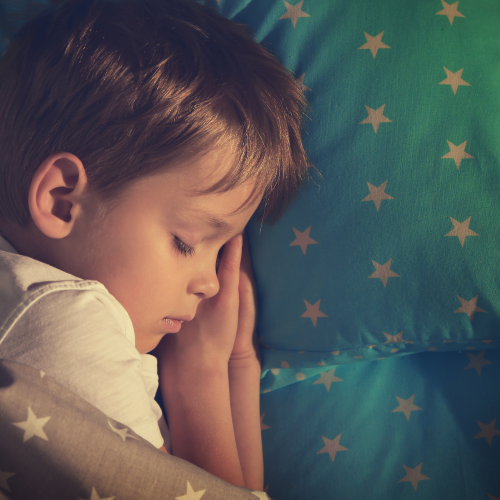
<point>313,312</point>
<point>414,475</point>
<point>375,117</point>
<point>263,426</point>
<point>469,307</point>
<point>33,426</point>
<point>374,43</point>
<point>396,338</point>
<point>3,479</point>
<point>377,194</point>
<point>454,79</point>
<point>477,362</point>
<point>332,446</point>
<point>293,12</point>
<point>327,378</point>
<point>302,239</point>
<point>488,431</point>
<point>95,496</point>
<point>301,82</point>
<point>450,11</point>
<point>458,153</point>
<point>123,433</point>
<point>461,229</point>
<point>191,494</point>
<point>260,494</point>
<point>406,406</point>
<point>383,272</point>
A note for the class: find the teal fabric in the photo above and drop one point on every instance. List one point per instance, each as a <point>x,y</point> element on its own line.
<point>385,423</point>
<point>404,212</point>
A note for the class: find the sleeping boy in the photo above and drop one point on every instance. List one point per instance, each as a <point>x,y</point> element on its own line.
<point>137,138</point>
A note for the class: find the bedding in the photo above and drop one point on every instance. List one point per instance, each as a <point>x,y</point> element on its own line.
<point>379,289</point>
<point>54,446</point>
<point>393,248</point>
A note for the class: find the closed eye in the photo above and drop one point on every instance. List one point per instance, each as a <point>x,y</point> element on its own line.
<point>182,247</point>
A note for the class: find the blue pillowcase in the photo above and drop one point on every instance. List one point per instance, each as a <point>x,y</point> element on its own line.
<point>393,248</point>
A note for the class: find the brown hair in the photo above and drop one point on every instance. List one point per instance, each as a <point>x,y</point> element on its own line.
<point>132,87</point>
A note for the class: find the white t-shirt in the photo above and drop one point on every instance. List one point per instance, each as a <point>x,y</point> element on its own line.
<point>77,332</point>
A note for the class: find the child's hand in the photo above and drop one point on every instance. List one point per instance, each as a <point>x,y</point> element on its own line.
<point>245,345</point>
<point>209,338</point>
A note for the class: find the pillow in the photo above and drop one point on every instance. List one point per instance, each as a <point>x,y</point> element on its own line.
<point>393,248</point>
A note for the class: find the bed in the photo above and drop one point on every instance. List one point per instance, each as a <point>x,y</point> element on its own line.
<point>378,290</point>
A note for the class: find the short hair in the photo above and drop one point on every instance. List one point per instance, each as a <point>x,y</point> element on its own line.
<point>132,87</point>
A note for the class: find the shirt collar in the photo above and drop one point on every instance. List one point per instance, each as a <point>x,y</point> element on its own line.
<point>6,246</point>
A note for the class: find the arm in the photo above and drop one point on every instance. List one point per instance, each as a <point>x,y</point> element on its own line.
<point>199,415</point>
<point>244,379</point>
<point>244,383</point>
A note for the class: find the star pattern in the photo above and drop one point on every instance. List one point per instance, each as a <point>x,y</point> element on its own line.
<point>95,496</point>
<point>396,338</point>
<point>461,229</point>
<point>294,12</point>
<point>3,479</point>
<point>469,307</point>
<point>457,153</point>
<point>123,433</point>
<point>191,494</point>
<point>477,362</point>
<point>450,10</point>
<point>375,117</point>
<point>488,431</point>
<point>302,239</point>
<point>383,272</point>
<point>332,446</point>
<point>454,79</point>
<point>327,378</point>
<point>313,312</point>
<point>414,476</point>
<point>33,426</point>
<point>377,194</point>
<point>406,406</point>
<point>374,43</point>
<point>301,82</point>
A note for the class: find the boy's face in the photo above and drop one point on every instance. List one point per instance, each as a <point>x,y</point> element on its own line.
<point>141,251</point>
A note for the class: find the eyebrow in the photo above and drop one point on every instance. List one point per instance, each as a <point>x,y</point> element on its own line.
<point>214,221</point>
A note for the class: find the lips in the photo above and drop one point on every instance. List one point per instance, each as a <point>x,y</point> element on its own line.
<point>171,325</point>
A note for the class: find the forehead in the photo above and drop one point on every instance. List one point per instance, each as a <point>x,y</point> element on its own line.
<point>184,188</point>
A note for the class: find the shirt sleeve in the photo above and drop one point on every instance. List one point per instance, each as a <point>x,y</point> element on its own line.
<point>77,337</point>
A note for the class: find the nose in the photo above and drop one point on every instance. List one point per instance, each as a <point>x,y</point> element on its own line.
<point>205,284</point>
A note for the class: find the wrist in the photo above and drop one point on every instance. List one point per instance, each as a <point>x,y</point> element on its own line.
<point>247,363</point>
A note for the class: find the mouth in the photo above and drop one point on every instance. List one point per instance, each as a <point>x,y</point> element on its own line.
<point>173,325</point>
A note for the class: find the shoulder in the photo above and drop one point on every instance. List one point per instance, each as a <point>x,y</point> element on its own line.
<point>33,290</point>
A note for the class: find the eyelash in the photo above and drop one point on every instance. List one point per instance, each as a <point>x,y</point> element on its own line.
<point>182,247</point>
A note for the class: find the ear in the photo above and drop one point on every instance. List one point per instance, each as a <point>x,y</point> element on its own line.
<point>56,194</point>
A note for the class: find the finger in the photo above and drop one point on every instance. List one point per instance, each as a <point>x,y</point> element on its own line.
<point>229,266</point>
